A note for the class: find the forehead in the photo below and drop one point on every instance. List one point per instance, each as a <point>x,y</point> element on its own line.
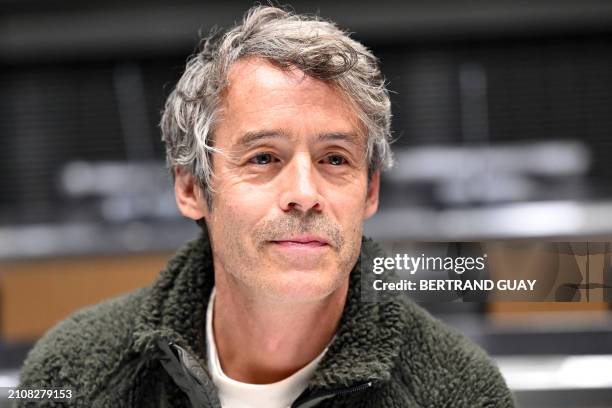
<point>262,96</point>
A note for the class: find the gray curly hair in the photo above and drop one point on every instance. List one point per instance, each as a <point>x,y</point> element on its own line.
<point>316,47</point>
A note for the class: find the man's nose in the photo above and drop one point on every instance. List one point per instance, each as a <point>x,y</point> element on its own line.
<point>300,189</point>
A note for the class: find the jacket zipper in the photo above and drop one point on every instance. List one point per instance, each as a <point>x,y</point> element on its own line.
<point>310,400</point>
<point>199,395</point>
<point>198,392</point>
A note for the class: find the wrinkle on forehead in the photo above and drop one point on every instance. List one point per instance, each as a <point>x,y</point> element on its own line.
<point>254,76</point>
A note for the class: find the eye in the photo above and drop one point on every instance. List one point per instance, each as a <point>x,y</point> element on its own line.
<point>262,159</point>
<point>335,160</point>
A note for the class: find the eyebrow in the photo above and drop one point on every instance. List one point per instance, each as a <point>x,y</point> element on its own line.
<point>337,136</point>
<point>250,138</point>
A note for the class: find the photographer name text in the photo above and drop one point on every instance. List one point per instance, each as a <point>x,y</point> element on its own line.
<point>406,264</point>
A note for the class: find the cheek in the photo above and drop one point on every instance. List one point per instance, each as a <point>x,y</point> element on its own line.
<point>238,209</point>
<point>348,209</point>
<point>229,230</point>
<point>248,201</point>
<point>348,204</point>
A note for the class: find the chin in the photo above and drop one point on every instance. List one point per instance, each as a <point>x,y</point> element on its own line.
<point>299,286</point>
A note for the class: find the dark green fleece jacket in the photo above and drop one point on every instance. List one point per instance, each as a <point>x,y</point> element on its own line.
<point>147,348</point>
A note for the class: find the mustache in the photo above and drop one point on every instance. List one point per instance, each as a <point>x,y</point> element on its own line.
<point>294,224</point>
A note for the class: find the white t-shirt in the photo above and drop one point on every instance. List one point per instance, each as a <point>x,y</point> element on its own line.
<point>236,394</point>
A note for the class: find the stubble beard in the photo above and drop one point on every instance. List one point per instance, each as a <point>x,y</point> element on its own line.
<point>246,261</point>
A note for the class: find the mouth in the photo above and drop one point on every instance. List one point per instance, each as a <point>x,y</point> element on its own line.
<point>302,242</point>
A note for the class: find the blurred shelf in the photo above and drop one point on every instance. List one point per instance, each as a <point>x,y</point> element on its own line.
<point>559,220</point>
<point>562,220</point>
<point>51,240</point>
<point>535,337</point>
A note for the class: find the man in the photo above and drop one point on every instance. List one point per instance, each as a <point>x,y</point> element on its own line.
<point>276,136</point>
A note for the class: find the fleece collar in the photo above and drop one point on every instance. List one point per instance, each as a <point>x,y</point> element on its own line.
<point>365,348</point>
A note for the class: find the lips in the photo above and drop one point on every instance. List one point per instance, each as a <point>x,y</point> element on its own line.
<point>303,252</point>
<point>303,241</point>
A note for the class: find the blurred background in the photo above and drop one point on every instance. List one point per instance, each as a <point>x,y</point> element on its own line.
<point>503,120</point>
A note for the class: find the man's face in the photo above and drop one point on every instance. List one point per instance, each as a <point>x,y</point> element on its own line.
<point>290,188</point>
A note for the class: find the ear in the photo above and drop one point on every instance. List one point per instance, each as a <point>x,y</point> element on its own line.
<point>371,204</point>
<point>189,195</point>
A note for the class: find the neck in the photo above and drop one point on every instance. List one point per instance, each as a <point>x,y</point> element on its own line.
<point>261,341</point>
